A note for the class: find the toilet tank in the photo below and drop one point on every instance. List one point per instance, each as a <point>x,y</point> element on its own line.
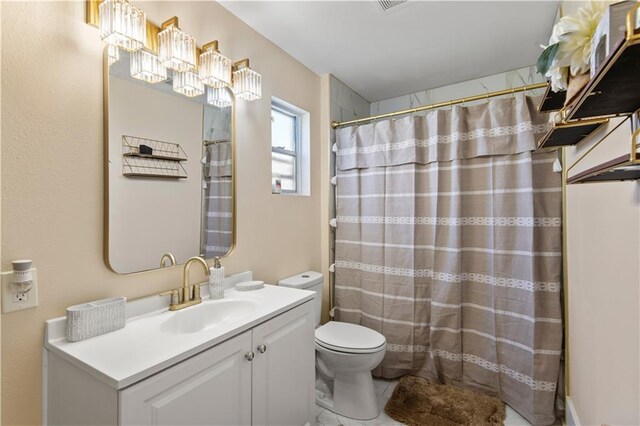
<point>312,281</point>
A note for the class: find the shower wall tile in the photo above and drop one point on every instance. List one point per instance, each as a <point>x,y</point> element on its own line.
<point>345,103</point>
<point>501,81</point>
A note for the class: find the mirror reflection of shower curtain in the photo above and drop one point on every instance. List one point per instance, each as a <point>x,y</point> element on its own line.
<point>217,226</point>
<point>448,242</point>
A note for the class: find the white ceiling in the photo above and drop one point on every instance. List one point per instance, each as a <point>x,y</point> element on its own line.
<point>421,45</point>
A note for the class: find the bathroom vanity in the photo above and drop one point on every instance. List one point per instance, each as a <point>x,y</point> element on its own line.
<point>245,359</point>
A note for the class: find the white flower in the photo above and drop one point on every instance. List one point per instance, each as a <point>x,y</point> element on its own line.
<point>575,33</point>
<point>558,29</point>
<point>558,76</point>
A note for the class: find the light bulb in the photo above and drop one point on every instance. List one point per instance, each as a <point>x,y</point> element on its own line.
<point>215,68</point>
<point>187,83</point>
<point>122,24</point>
<point>177,49</point>
<point>146,66</point>
<point>247,84</point>
<point>218,97</point>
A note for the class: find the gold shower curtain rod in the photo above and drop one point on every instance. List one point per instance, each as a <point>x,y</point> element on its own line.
<point>336,124</point>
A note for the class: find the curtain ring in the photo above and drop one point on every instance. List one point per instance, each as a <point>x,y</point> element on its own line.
<point>486,89</point>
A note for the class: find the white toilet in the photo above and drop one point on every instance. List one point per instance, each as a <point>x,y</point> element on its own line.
<point>345,355</point>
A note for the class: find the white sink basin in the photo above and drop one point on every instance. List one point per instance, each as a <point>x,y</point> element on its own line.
<point>207,315</point>
<point>156,338</point>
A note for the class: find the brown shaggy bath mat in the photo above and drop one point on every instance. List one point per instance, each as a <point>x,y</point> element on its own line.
<point>417,401</point>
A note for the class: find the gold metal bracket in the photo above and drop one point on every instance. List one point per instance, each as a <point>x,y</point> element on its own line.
<point>633,157</point>
<point>171,22</point>
<point>93,12</point>
<point>212,45</point>
<point>631,31</point>
<point>595,145</point>
<point>242,63</point>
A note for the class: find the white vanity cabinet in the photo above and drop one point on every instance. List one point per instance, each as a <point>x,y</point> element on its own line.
<point>284,370</point>
<point>212,388</point>
<point>263,376</point>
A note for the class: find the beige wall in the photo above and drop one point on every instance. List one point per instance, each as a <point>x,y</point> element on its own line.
<point>0,205</point>
<point>603,236</point>
<point>52,205</point>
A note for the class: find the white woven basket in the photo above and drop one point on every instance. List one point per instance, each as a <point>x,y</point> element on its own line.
<point>95,318</point>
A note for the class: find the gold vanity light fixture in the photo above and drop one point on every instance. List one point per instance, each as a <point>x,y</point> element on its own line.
<point>187,83</point>
<point>177,49</point>
<point>122,24</point>
<point>218,97</point>
<point>247,84</point>
<point>168,47</point>
<point>113,52</point>
<point>145,66</point>
<point>215,68</point>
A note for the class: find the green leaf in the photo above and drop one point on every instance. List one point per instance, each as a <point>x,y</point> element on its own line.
<point>546,58</point>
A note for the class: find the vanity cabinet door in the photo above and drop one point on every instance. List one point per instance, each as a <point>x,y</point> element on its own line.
<point>284,369</point>
<point>212,388</point>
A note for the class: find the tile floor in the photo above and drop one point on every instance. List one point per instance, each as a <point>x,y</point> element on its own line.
<point>384,389</point>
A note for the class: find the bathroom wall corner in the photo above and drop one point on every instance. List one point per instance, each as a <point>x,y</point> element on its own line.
<point>325,190</point>
<point>0,202</point>
<point>344,104</point>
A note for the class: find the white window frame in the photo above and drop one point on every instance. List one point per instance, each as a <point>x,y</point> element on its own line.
<point>283,109</point>
<point>302,151</point>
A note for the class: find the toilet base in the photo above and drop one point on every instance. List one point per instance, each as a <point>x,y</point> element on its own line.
<point>353,396</point>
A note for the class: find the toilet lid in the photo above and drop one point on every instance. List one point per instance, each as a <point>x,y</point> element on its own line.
<point>345,337</point>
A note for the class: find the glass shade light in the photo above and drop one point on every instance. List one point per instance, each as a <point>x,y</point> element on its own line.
<point>247,84</point>
<point>177,49</point>
<point>146,66</point>
<point>187,83</point>
<point>218,97</point>
<point>122,25</point>
<point>215,69</point>
<point>113,53</point>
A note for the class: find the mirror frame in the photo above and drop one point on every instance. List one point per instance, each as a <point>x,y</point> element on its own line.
<point>105,175</point>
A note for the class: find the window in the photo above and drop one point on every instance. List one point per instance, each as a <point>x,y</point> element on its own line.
<point>284,148</point>
<point>289,148</point>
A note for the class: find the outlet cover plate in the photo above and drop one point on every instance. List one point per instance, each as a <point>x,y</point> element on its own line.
<point>8,296</point>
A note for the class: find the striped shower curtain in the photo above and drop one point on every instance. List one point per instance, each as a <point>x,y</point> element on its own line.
<point>217,226</point>
<point>448,242</point>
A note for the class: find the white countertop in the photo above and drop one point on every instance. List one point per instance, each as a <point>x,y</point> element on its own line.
<point>140,349</point>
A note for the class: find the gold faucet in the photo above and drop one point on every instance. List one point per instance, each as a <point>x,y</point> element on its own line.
<point>169,256</point>
<point>188,295</point>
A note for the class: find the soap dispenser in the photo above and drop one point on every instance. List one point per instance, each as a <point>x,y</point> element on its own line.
<point>216,276</point>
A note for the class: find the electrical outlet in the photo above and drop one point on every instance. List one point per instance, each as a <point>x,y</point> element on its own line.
<point>14,301</point>
<point>20,297</point>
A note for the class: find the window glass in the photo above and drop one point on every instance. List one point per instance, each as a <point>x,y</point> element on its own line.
<point>283,167</point>
<point>283,130</point>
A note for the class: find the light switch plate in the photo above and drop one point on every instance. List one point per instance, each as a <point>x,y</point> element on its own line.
<point>9,304</point>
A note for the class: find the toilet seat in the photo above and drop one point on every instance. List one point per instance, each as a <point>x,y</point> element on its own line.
<point>349,338</point>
